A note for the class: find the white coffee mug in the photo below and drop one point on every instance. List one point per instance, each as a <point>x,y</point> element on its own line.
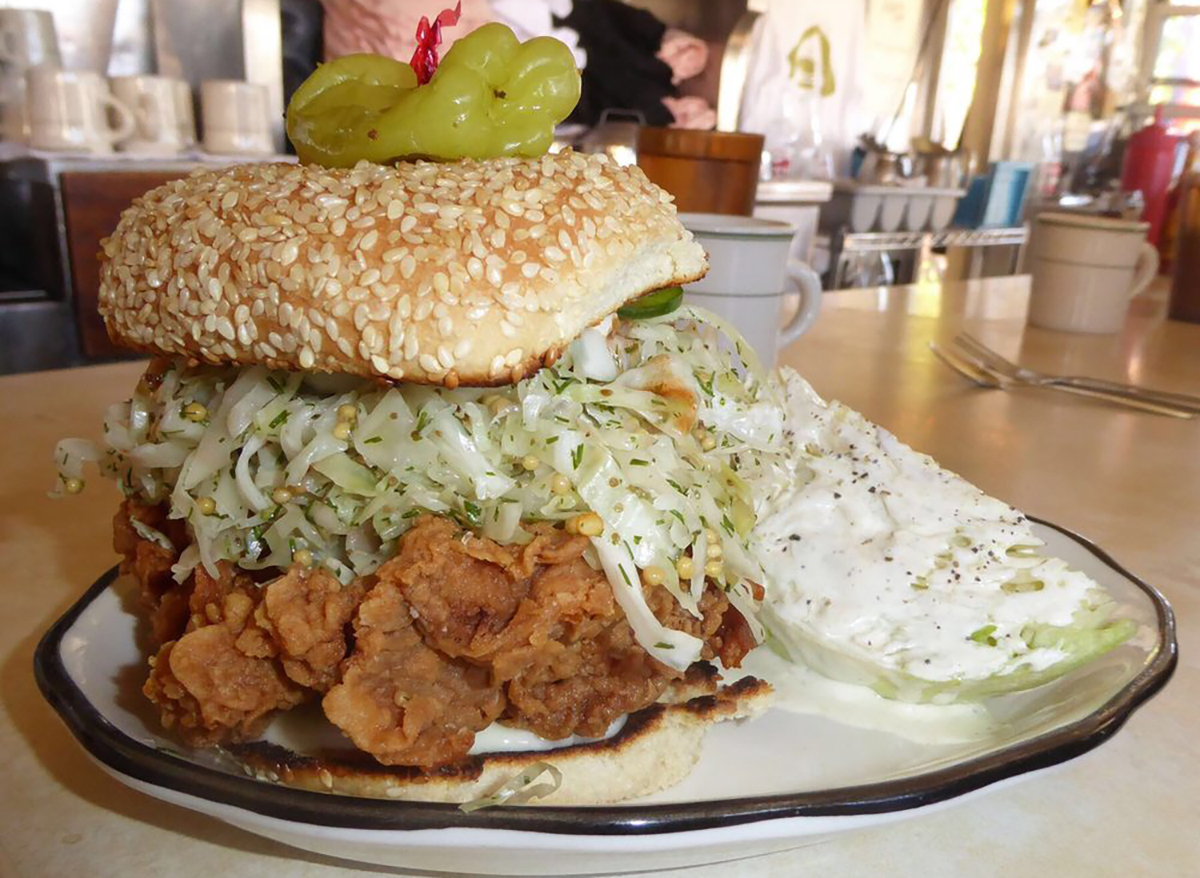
<point>1085,269</point>
<point>748,276</point>
<point>185,113</point>
<point>27,39</point>
<point>68,111</point>
<point>14,114</point>
<point>235,117</point>
<point>156,111</point>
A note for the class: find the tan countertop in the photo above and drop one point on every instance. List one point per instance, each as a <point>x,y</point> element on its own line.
<point>1128,481</point>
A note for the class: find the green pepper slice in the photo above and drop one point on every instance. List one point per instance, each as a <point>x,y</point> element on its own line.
<point>491,96</point>
<point>654,304</point>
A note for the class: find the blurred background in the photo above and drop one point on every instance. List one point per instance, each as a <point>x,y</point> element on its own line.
<point>906,140</point>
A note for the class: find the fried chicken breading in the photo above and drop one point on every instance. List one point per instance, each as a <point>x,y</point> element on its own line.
<point>541,630</point>
<point>454,632</point>
<point>306,612</point>
<point>220,681</point>
<point>401,700</point>
<point>165,600</point>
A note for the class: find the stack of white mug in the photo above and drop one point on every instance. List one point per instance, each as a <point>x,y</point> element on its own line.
<point>79,111</point>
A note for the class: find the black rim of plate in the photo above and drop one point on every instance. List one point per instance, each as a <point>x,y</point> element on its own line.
<point>130,757</point>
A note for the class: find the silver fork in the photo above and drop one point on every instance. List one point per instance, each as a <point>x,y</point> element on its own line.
<point>965,367</point>
<point>982,374</point>
<point>973,346</point>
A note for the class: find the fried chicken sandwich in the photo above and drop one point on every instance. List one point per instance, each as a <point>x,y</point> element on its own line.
<point>436,450</point>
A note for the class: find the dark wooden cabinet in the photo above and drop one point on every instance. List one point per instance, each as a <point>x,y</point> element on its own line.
<point>92,205</point>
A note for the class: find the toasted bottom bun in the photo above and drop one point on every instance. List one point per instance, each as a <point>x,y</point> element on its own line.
<point>655,749</point>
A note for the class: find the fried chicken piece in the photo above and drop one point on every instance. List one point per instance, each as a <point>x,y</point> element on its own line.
<point>733,639</point>
<point>462,588</point>
<point>465,591</point>
<point>220,681</point>
<point>541,628</point>
<point>306,612</point>
<point>165,600</point>
<point>401,700</point>
<point>607,673</point>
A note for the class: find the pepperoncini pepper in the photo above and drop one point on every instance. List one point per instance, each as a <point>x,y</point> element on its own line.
<point>492,95</point>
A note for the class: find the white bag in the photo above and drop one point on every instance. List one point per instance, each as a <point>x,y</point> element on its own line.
<point>803,81</point>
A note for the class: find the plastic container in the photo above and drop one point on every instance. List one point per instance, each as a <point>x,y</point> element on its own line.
<point>994,200</point>
<point>893,209</point>
<point>920,209</point>
<point>1148,167</point>
<point>853,206</point>
<point>860,207</point>
<point>944,205</point>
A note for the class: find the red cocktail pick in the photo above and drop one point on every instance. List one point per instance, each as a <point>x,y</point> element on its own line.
<point>429,37</point>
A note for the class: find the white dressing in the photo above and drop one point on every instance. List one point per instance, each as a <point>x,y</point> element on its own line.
<point>499,738</point>
<point>878,560</point>
<point>798,689</point>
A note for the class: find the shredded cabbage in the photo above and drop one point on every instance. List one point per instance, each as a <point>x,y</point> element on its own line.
<point>520,788</point>
<point>656,425</point>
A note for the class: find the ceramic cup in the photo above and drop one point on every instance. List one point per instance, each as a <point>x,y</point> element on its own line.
<point>69,111</point>
<point>235,117</point>
<point>748,278</point>
<point>156,111</point>
<point>1086,269</point>
<point>27,39</point>
<point>185,112</point>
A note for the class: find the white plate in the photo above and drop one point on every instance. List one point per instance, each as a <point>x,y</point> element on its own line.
<point>781,781</point>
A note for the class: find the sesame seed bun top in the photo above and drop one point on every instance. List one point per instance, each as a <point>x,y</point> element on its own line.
<point>464,273</point>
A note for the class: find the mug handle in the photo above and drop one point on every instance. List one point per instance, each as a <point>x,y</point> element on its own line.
<point>809,287</point>
<point>1146,269</point>
<point>126,122</point>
